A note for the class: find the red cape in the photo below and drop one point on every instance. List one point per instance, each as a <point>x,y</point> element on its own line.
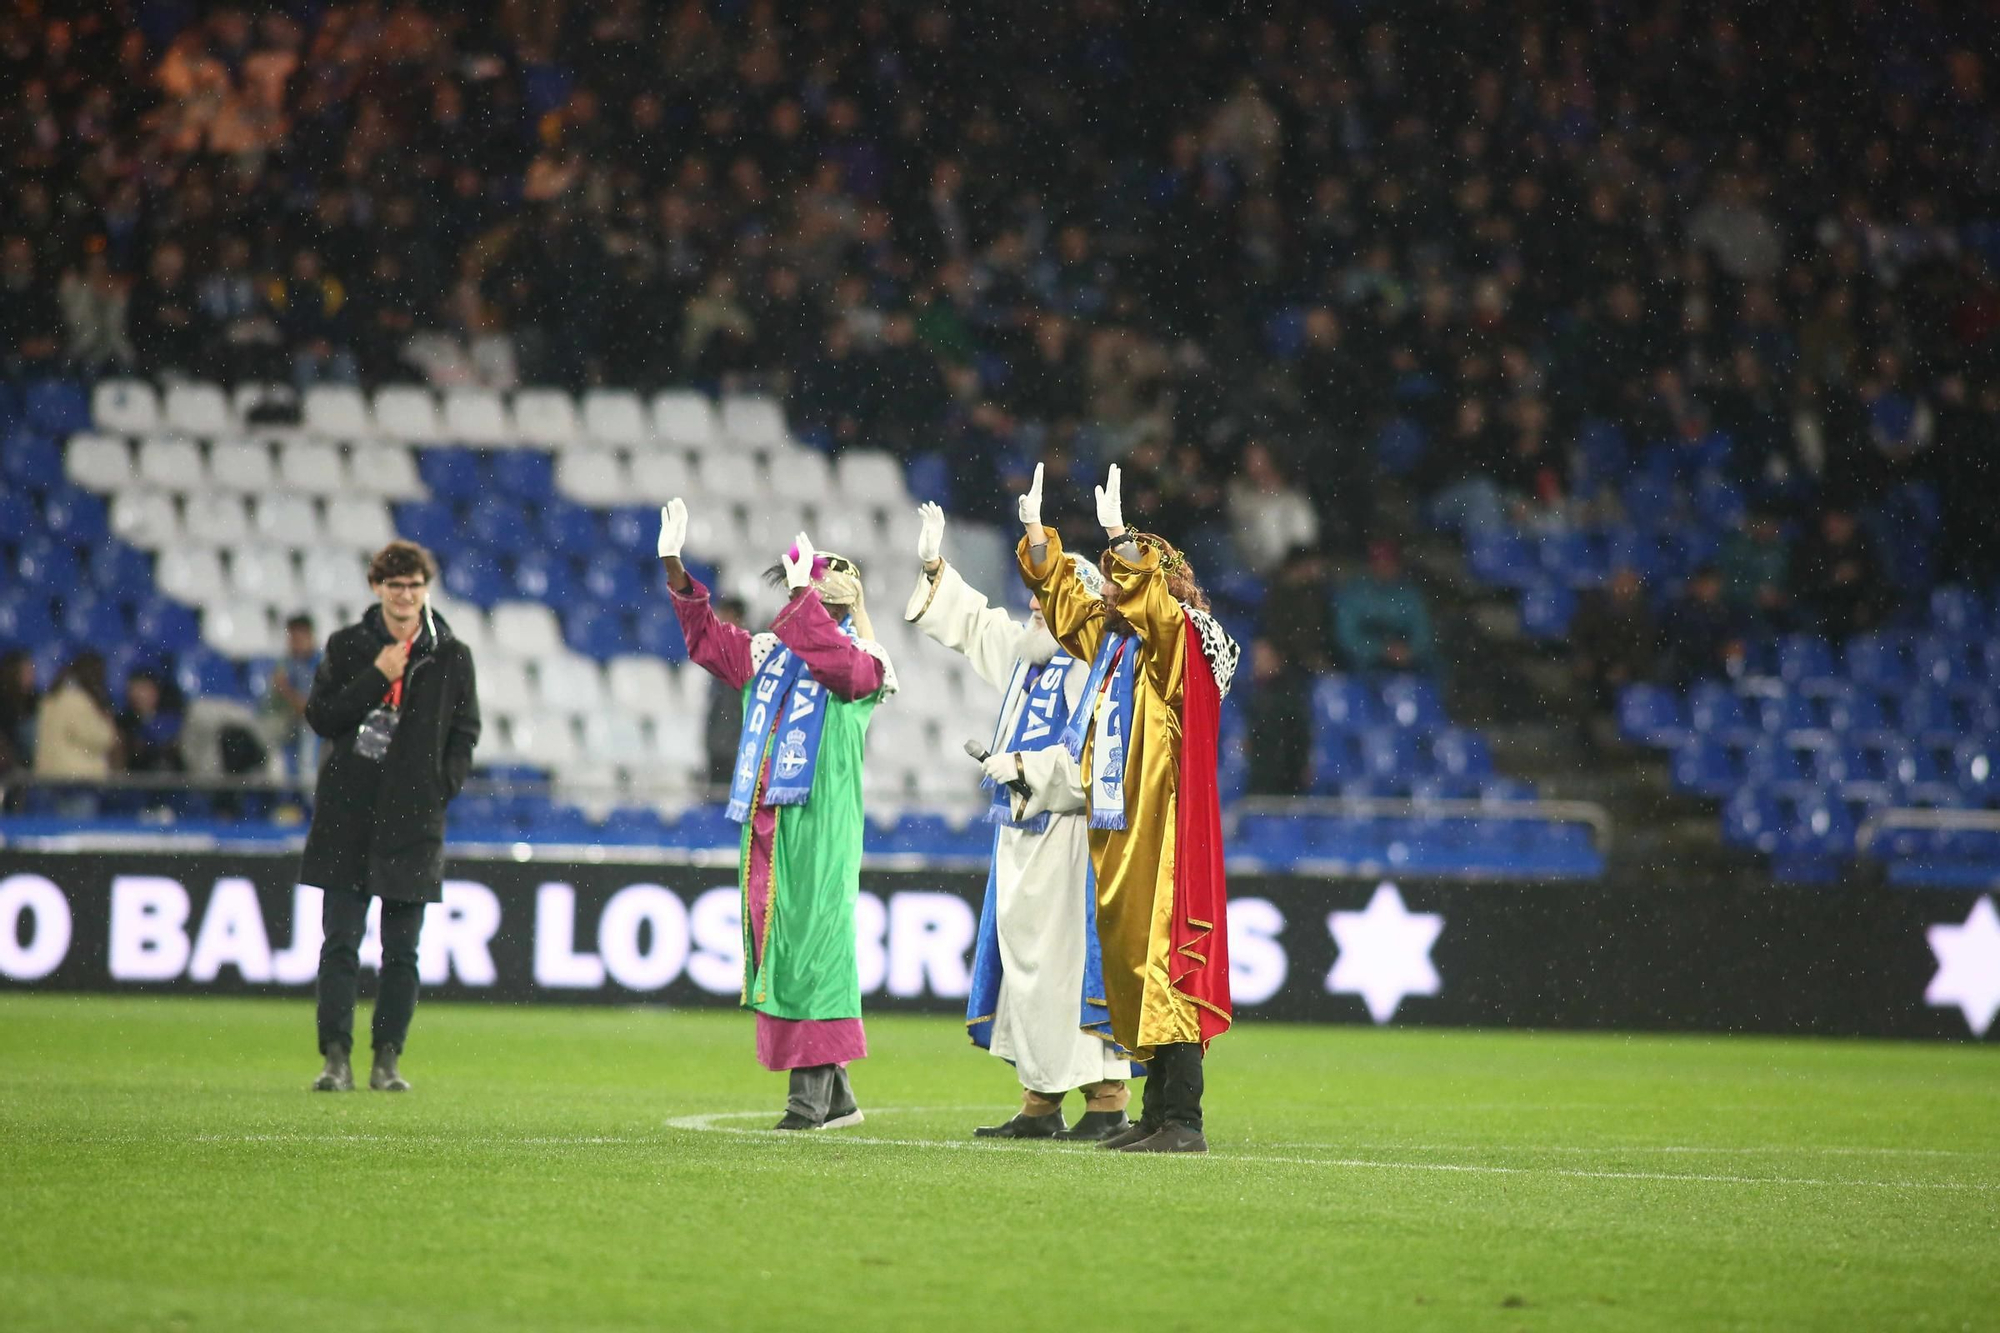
<point>1200,959</point>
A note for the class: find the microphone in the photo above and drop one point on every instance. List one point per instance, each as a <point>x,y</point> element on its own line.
<point>1015,785</point>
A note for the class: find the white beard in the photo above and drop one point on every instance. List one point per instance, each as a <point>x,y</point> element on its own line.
<point>1040,646</point>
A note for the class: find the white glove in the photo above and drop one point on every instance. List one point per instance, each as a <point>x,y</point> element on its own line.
<point>930,537</point>
<point>1110,511</point>
<point>1002,768</point>
<point>673,527</point>
<point>799,569</point>
<point>1029,507</point>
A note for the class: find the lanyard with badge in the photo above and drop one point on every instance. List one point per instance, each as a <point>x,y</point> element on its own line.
<point>379,727</point>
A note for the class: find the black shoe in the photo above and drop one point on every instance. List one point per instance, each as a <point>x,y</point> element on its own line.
<point>383,1077</point>
<point>793,1120</point>
<point>1132,1133</point>
<point>1095,1126</point>
<point>842,1119</point>
<point>1171,1138</point>
<point>1024,1127</point>
<point>336,1076</point>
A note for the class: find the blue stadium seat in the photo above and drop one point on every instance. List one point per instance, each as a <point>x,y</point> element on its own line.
<point>1933,712</point>
<point>1275,840</point>
<point>1718,502</point>
<point>476,578</point>
<point>571,528</point>
<point>117,570</point>
<point>1389,754</point>
<point>1574,559</point>
<point>1706,767</point>
<point>1546,610</point>
<point>99,623</point>
<point>431,523</point>
<point>1768,762</point>
<point>498,522</point>
<point>1412,702</point>
<point>638,825</point>
<point>48,565</point>
<point>1344,703</point>
<point>561,824</point>
<point>655,630</point>
<point>1652,716</point>
<point>1958,611</point>
<point>1805,657</point>
<point>1715,709</point>
<point>597,632</point>
<point>72,514</point>
<point>1629,548</point>
<point>1948,659</point>
<point>165,625</point>
<point>200,671</point>
<point>1975,766</point>
<point>1880,659</point>
<point>1855,708</point>
<point>18,516</point>
<point>614,578</point>
<point>1400,446</point>
<point>1501,557</point>
<point>927,475</point>
<point>1821,825</point>
<point>634,530</point>
<point>1753,819</point>
<point>1788,712</point>
<point>60,407</point>
<point>1462,753</point>
<point>1651,501</point>
<point>1496,789</point>
<point>529,474</point>
<point>451,474</point>
<point>25,618</point>
<point>543,577</point>
<point>31,461</point>
<point>1335,760</point>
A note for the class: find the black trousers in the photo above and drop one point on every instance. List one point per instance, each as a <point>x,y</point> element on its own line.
<point>344,919</point>
<point>1173,1087</point>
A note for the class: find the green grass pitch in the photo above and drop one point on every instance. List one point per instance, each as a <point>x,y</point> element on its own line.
<point>164,1167</point>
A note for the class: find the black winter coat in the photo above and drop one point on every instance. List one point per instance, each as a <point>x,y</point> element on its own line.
<point>378,825</point>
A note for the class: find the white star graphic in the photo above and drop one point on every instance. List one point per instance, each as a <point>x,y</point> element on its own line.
<point>1385,953</point>
<point>1968,972</point>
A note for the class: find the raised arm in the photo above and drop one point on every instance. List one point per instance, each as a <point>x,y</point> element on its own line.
<point>1142,595</point>
<point>723,651</point>
<point>846,669</point>
<point>954,613</point>
<point>1074,616</point>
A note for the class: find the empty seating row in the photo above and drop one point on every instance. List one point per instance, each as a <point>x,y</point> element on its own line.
<point>242,466</point>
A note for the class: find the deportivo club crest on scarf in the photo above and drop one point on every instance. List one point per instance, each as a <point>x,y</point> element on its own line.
<point>791,757</point>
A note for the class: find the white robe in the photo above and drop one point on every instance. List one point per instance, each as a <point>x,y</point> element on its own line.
<point>1041,881</point>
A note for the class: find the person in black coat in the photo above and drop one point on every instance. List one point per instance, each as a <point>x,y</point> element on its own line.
<point>396,702</point>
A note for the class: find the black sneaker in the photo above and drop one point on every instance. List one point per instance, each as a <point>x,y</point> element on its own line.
<point>383,1077</point>
<point>1095,1126</point>
<point>1132,1133</point>
<point>1171,1138</point>
<point>842,1119</point>
<point>336,1076</point>
<point>1024,1127</point>
<point>793,1120</point>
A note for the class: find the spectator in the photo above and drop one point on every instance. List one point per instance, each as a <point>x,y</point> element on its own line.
<point>282,715</point>
<point>1754,564</point>
<point>148,733</point>
<point>1380,618</point>
<point>18,704</point>
<point>31,322</point>
<point>76,736</point>
<point>168,330</point>
<point>1836,578</point>
<point>248,343</point>
<point>1703,634</point>
<point>310,308</point>
<point>1280,723</point>
<point>1267,514</point>
<point>93,304</point>
<point>724,726</point>
<point>1614,641</point>
<point>1296,620</point>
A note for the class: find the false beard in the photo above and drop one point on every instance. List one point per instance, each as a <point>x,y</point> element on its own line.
<point>1040,645</point>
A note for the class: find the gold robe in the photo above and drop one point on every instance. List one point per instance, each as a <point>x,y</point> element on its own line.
<point>1135,865</point>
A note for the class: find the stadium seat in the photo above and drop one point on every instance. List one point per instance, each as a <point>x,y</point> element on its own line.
<point>596,632</point>
<point>337,412</point>
<point>596,476</point>
<point>545,740</point>
<point>100,622</point>
<point>264,574</point>
<point>802,475</point>
<point>1715,709</point>
<point>1412,702</point>
<point>609,738</point>
<point>1546,610</point>
<point>25,618</point>
<point>329,574</point>
<point>1704,766</point>
<point>1948,659</point>
<point>73,515</point>
<point>658,476</point>
<point>686,419</point>
<point>1805,657</point>
<point>643,686</point>
<point>167,625</point>
<point>430,523</point>
<point>529,474</point>
<point>615,417</point>
<point>119,571</point>
<point>1461,754</point>
<point>503,686</point>
<point>1879,659</point>
<point>125,407</point>
<point>47,566</point>
<point>240,631</point>
<point>753,420</point>
<point>216,518</point>
<point>359,521</point>
<point>203,671</point>
<point>476,579</point>
<point>1651,715</point>
<point>1753,819</point>
<point>545,418</point>
<point>525,629</point>
<point>195,407</point>
<point>101,462</point>
<point>312,466</point>
<point>1345,704</point>
<point>543,576</point>
<point>568,682</point>
<point>733,474</point>
<point>243,466</point>
<point>1501,558</point>
<point>386,470</point>
<point>1958,611</point>
<point>286,520</point>
<point>171,463</point>
<point>452,474</point>
<point>146,518</point>
<point>477,417</point>
<point>405,413</point>
<point>871,476</point>
<point>1855,709</point>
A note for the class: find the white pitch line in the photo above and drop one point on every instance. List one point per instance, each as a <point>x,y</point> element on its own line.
<point>1688,1148</point>
<point>706,1124</point>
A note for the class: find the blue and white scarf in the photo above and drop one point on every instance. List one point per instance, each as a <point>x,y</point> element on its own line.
<point>1044,715</point>
<point>782,686</point>
<point>1111,718</point>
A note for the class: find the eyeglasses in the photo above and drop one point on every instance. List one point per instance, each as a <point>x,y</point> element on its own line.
<point>407,585</point>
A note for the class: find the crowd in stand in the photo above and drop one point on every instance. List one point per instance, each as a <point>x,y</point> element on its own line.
<point>1232,251</point>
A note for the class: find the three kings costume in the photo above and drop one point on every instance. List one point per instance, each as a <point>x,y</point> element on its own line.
<point>809,686</point>
<point>1037,997</point>
<point>1147,738</point>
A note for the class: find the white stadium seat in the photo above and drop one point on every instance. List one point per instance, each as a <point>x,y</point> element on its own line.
<point>617,739</point>
<point>801,474</point>
<point>171,463</point>
<point>685,418</point>
<point>641,685</point>
<point>526,630</point>
<point>544,740</point>
<point>264,574</point>
<point>199,408</point>
<point>503,686</point>
<point>468,624</point>
<point>359,521</point>
<point>241,630</point>
<point>283,519</point>
<point>851,532</point>
<point>679,747</point>
<point>870,476</point>
<point>312,466</point>
<point>337,411</point>
<point>247,398</point>
<point>657,477</point>
<point>772,525</point>
<point>545,416</point>
<point>146,518</point>
<point>614,416</point>
<point>567,682</point>
<point>387,470</point>
<point>754,420</point>
<point>595,477</point>
<point>476,416</point>
<point>190,574</point>
<point>331,574</point>
<point>215,518</point>
<point>100,462</point>
<point>403,412</point>
<point>733,474</point>
<point>125,407</point>
<point>243,466</point>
